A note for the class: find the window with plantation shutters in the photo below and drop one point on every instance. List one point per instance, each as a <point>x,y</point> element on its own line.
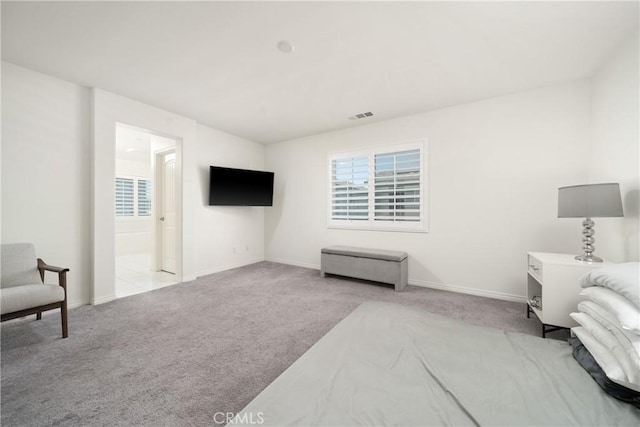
<point>379,189</point>
<point>133,197</point>
<point>124,197</point>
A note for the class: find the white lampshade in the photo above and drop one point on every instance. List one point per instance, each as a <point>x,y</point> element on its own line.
<point>590,201</point>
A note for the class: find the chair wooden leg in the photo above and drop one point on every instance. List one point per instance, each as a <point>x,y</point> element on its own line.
<point>39,316</point>
<point>63,314</point>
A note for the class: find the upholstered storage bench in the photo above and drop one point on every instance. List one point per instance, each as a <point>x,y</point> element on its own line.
<point>362,263</point>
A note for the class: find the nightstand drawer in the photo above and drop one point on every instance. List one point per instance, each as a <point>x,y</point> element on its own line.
<point>535,268</point>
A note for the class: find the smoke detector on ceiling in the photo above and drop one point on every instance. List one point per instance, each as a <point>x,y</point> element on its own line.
<point>285,46</point>
<point>361,116</point>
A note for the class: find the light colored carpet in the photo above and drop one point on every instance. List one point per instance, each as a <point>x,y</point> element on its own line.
<point>178,355</point>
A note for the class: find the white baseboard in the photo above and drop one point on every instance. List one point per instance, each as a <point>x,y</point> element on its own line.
<point>296,263</point>
<point>218,269</point>
<point>102,300</point>
<point>426,284</point>
<point>189,278</point>
<point>75,304</point>
<point>469,291</point>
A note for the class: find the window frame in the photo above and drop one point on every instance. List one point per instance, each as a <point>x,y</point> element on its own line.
<point>371,224</point>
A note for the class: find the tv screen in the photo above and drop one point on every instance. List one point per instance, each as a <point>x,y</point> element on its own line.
<point>240,187</point>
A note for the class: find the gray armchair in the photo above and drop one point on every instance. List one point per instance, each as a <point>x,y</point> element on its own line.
<point>22,288</point>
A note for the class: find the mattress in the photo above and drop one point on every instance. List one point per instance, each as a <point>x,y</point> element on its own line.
<point>387,364</point>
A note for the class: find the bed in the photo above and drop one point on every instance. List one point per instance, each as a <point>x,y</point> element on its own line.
<point>387,364</point>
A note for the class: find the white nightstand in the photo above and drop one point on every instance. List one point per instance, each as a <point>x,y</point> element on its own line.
<point>555,279</point>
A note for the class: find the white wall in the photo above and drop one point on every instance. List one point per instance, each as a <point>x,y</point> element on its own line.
<point>231,236</point>
<point>46,170</point>
<point>133,236</point>
<point>615,149</point>
<point>47,177</point>
<point>495,169</point>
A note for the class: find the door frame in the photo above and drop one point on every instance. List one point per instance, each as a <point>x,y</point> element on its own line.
<point>108,110</point>
<point>158,190</point>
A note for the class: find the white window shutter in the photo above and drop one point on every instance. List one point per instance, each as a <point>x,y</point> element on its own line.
<point>124,196</point>
<point>397,186</point>
<point>350,189</point>
<point>144,197</point>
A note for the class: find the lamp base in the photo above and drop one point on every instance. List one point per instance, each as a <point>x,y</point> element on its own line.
<point>587,242</point>
<point>588,258</point>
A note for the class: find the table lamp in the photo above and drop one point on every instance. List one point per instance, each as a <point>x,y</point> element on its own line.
<point>589,201</point>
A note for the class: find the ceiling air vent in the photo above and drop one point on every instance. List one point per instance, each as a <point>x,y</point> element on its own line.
<point>361,116</point>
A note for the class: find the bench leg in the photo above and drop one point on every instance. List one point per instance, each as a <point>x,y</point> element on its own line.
<point>400,286</point>
<point>403,272</point>
<point>39,316</point>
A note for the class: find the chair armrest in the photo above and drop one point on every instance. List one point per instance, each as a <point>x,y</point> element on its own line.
<point>44,266</point>
<point>62,272</point>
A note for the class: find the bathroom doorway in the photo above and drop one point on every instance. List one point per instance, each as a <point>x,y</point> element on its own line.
<point>145,207</point>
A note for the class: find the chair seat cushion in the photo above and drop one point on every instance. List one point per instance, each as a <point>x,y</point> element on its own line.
<point>18,298</point>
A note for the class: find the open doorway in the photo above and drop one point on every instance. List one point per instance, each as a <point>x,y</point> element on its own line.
<point>145,211</point>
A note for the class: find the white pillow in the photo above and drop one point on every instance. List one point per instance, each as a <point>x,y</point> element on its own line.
<point>630,342</point>
<point>604,357</point>
<point>630,368</point>
<point>621,278</point>
<point>627,313</point>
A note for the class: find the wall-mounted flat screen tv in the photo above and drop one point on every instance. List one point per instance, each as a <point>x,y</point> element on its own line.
<point>240,187</point>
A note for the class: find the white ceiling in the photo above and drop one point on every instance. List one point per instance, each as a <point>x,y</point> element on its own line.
<point>218,62</point>
<point>135,144</point>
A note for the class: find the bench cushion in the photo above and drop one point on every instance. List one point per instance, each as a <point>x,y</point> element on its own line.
<point>365,253</point>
